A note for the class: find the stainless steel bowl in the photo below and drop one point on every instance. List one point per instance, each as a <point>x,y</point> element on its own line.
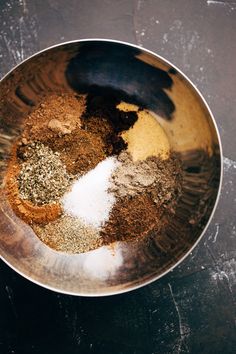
<point>151,81</point>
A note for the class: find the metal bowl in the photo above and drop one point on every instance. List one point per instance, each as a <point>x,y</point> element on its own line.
<point>151,81</point>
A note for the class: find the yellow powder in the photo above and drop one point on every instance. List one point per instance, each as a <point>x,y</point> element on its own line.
<point>146,138</point>
<point>127,107</point>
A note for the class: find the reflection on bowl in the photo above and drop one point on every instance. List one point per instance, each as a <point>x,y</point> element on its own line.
<point>140,78</point>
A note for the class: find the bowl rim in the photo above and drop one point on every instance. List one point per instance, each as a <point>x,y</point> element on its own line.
<point>198,92</point>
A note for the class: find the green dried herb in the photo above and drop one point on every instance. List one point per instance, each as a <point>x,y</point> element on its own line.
<point>43,178</point>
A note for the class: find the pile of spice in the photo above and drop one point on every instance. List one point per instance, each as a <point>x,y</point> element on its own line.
<point>89,170</point>
<point>55,115</point>
<point>43,178</point>
<point>69,234</point>
<point>154,175</point>
<point>88,198</point>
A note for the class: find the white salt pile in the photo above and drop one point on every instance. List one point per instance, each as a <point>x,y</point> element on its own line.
<point>89,199</point>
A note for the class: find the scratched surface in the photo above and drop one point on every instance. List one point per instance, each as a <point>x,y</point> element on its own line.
<point>191,310</point>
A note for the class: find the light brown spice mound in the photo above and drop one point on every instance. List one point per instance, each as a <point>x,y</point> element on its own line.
<point>69,235</point>
<point>146,138</point>
<point>157,176</point>
<point>65,109</point>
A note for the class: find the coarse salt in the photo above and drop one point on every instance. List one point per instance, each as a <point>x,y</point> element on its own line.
<point>89,198</point>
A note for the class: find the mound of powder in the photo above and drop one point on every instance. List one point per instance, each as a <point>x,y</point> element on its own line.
<point>69,235</point>
<point>146,137</point>
<point>131,219</point>
<point>64,109</point>
<point>89,198</point>
<point>156,176</point>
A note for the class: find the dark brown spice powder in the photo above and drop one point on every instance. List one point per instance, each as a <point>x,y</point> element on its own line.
<point>105,106</point>
<point>131,219</point>
<point>102,108</point>
<point>80,151</point>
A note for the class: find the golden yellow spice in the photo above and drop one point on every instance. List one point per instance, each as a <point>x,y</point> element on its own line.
<point>146,138</point>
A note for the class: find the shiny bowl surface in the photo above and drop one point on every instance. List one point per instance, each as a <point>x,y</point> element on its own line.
<point>146,79</point>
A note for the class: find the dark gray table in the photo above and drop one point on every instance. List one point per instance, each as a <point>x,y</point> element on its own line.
<point>191,310</point>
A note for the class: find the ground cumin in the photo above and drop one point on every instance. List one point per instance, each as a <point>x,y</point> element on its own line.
<point>80,150</point>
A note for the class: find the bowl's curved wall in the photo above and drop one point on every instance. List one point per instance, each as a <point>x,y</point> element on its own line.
<point>140,77</point>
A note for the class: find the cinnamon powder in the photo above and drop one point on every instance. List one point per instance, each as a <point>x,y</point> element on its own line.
<point>65,108</point>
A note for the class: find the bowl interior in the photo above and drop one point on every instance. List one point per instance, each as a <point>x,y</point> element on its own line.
<point>139,77</point>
